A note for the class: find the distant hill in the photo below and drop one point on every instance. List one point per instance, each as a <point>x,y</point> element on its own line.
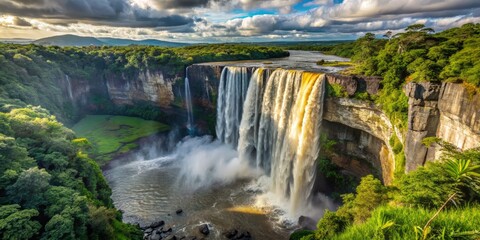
<point>73,40</point>
<point>69,40</point>
<point>148,42</point>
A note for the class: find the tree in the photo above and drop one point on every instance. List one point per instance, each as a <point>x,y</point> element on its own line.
<point>59,227</point>
<point>100,222</point>
<point>419,28</point>
<point>30,187</point>
<point>18,224</point>
<point>370,194</point>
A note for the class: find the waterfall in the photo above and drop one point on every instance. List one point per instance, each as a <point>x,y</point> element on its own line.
<point>188,103</point>
<point>69,87</point>
<point>279,127</point>
<point>207,90</point>
<point>231,95</point>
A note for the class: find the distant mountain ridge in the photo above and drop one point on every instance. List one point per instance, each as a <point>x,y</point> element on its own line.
<point>79,41</point>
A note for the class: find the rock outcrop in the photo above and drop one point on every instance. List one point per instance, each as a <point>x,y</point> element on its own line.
<point>459,116</point>
<point>447,111</point>
<point>151,86</point>
<point>423,119</point>
<point>354,83</point>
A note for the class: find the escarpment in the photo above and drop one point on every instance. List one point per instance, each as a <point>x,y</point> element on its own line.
<point>360,128</point>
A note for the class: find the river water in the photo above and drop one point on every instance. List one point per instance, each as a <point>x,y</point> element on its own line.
<point>192,178</point>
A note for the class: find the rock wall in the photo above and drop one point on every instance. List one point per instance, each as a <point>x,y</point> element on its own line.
<point>445,111</point>
<point>423,120</point>
<point>459,116</point>
<point>151,86</point>
<point>355,84</point>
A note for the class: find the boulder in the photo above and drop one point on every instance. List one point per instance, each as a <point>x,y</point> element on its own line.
<point>157,224</point>
<point>204,229</point>
<point>244,236</point>
<point>307,223</point>
<point>170,237</point>
<point>155,236</point>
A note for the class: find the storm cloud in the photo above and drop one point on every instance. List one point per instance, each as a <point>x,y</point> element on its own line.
<point>117,13</point>
<point>220,20</point>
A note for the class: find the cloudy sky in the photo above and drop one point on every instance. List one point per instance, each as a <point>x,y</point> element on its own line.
<point>228,20</point>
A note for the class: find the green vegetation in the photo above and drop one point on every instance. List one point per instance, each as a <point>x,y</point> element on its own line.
<point>336,90</point>
<point>397,148</point>
<point>418,55</point>
<point>50,189</point>
<point>339,48</point>
<point>341,183</point>
<point>335,63</point>
<point>35,75</point>
<point>438,201</point>
<point>111,135</point>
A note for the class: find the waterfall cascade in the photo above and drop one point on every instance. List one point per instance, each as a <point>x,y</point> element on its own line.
<point>279,119</point>
<point>188,103</point>
<point>69,87</point>
<point>231,95</point>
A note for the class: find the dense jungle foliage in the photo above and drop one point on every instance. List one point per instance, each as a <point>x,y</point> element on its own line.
<point>438,201</point>
<point>50,189</point>
<point>417,54</point>
<point>32,74</point>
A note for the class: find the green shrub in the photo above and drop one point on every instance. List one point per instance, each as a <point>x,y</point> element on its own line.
<point>336,90</point>
<point>331,224</point>
<point>301,234</point>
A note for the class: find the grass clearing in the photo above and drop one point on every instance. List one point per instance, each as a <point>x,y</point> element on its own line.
<point>111,135</point>
<point>335,63</point>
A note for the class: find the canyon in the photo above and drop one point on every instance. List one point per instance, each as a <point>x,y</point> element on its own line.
<point>447,111</point>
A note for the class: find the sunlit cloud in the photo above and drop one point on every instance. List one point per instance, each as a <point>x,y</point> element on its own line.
<point>228,20</point>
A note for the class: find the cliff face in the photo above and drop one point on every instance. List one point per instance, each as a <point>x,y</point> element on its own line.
<point>151,86</point>
<point>445,111</point>
<point>459,116</point>
<point>363,131</point>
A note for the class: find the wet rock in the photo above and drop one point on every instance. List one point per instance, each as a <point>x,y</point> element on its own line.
<point>307,223</point>
<point>148,230</point>
<point>155,236</point>
<point>179,211</point>
<point>170,237</point>
<point>244,236</point>
<point>231,234</point>
<point>157,224</point>
<point>204,229</point>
